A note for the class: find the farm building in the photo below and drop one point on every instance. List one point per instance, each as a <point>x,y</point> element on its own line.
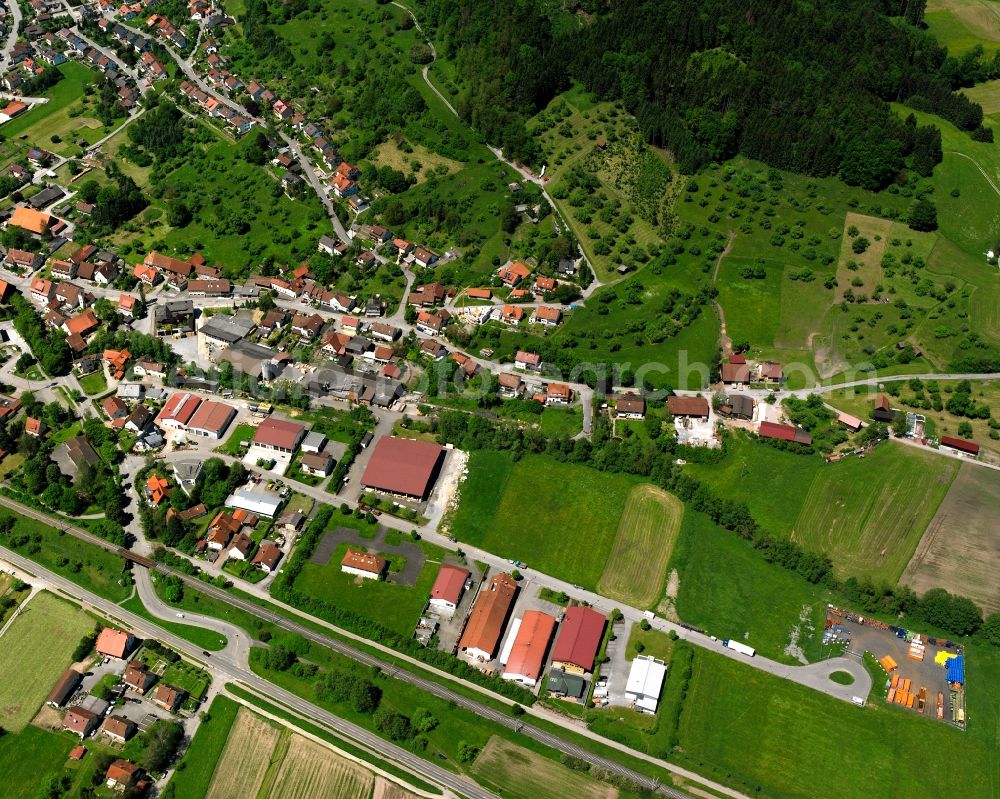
<point>527,656</point>
<point>881,412</point>
<point>579,639</point>
<point>488,618</point>
<point>80,721</point>
<point>968,447</point>
<point>852,423</point>
<point>277,435</point>
<point>211,419</point>
<point>645,682</point>
<point>114,643</point>
<point>735,373</point>
<point>447,590</point>
<point>738,406</point>
<point>263,503</point>
<point>363,564</point>
<point>64,689</point>
<point>403,467</point>
<point>178,411</point>
<point>785,432</point>
<point>695,407</point>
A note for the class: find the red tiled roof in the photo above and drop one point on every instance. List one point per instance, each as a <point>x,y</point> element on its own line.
<point>278,433</point>
<point>579,637</point>
<point>528,653</point>
<point>364,561</point>
<point>687,406</point>
<point>957,443</point>
<point>403,466</point>
<point>450,583</point>
<point>489,615</point>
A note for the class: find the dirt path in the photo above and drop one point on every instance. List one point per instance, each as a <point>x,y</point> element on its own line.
<point>726,341</point>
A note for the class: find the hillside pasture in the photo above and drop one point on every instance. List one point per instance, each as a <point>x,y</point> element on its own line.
<point>36,651</point>
<point>391,154</point>
<point>868,515</point>
<point>559,517</point>
<point>245,759</point>
<point>961,549</point>
<point>643,545</point>
<point>524,773</point>
<point>869,262</point>
<point>309,770</point>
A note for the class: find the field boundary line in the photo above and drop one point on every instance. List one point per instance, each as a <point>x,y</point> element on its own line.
<point>290,726</point>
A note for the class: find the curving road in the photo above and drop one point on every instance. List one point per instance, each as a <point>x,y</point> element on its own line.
<point>225,669</point>
<point>228,660</point>
<point>15,12</point>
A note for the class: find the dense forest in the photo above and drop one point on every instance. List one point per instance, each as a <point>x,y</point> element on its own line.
<point>799,84</point>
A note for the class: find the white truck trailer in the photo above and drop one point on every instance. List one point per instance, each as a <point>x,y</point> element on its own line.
<point>743,649</point>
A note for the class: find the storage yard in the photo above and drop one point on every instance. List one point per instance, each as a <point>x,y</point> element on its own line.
<point>923,674</point>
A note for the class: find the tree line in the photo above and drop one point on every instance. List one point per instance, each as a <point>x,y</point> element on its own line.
<point>655,460</point>
<point>803,86</point>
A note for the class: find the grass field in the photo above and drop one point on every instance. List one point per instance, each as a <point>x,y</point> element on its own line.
<point>961,25</point>
<point>36,651</point>
<point>395,606</point>
<point>868,515</point>
<point>48,118</point>
<point>309,770</point>
<point>242,432</point>
<point>869,269</point>
<point>643,545</point>
<point>245,758</point>
<point>199,763</point>
<point>28,758</point>
<point>389,154</point>
<point>961,549</point>
<point>523,773</point>
<point>726,588</point>
<point>749,465</point>
<point>560,518</point>
<point>770,736</point>
<point>94,383</point>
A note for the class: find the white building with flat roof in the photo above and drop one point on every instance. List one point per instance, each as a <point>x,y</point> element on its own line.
<point>645,682</point>
<point>263,503</point>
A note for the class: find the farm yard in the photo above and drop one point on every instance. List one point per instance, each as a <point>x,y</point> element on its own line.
<point>868,515</point>
<point>36,650</point>
<point>560,518</point>
<point>731,709</point>
<point>960,550</point>
<point>524,773</point>
<point>643,545</point>
<point>237,754</point>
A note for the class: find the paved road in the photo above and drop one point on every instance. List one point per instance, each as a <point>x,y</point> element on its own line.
<point>224,668</point>
<point>15,12</point>
<point>227,659</point>
<point>310,172</point>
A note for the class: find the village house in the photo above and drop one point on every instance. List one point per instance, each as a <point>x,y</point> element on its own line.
<point>546,315</point>
<point>512,274</point>
<point>630,406</point>
<point>528,361</point>
<point>363,564</point>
